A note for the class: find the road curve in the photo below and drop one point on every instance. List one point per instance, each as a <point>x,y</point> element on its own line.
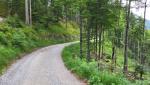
<point>42,67</point>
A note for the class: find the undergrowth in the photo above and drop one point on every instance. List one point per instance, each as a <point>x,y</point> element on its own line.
<point>17,38</point>
<point>90,72</point>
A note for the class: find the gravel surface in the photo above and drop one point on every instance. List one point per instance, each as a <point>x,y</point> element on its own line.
<point>42,67</point>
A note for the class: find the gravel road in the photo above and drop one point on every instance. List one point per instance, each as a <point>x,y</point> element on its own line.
<point>42,67</point>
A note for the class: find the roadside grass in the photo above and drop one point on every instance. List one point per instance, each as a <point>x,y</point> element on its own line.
<point>90,72</point>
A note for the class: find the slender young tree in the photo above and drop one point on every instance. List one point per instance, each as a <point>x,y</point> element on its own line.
<point>145,9</point>
<point>81,35</point>
<point>28,12</point>
<point>115,38</point>
<point>125,68</point>
<point>143,57</point>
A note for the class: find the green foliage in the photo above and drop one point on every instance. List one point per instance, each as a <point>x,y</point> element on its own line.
<point>14,21</point>
<point>3,8</point>
<point>60,28</point>
<point>90,72</point>
<point>17,38</point>
<point>7,54</point>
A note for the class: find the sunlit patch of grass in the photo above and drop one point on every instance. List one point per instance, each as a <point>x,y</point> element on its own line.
<point>60,28</point>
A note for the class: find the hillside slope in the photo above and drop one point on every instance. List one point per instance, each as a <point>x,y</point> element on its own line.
<point>17,38</point>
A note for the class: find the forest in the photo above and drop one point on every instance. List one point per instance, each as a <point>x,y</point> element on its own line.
<point>114,42</point>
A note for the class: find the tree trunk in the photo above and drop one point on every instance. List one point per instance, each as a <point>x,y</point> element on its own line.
<point>103,40</point>
<point>30,5</point>
<point>27,11</point>
<point>88,37</point>
<point>81,36</point>
<point>113,58</point>
<point>125,68</point>
<point>143,38</point>
<point>96,41</point>
<point>100,43</point>
<point>88,43</point>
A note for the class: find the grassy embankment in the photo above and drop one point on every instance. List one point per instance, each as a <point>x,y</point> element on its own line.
<point>90,72</point>
<point>17,39</point>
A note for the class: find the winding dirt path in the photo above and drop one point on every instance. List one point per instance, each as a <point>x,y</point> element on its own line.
<point>42,67</point>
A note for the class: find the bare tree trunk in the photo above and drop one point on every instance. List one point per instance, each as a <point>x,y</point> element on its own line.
<point>125,68</point>
<point>96,36</point>
<point>88,43</point>
<point>113,58</point>
<point>27,11</point>
<point>81,37</point>
<point>100,43</point>
<point>143,38</point>
<point>103,40</point>
<point>30,5</point>
<point>138,51</point>
<point>143,57</point>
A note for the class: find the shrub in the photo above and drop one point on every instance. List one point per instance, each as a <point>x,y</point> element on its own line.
<point>90,72</point>
<point>7,54</point>
<point>14,22</point>
<point>16,38</point>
